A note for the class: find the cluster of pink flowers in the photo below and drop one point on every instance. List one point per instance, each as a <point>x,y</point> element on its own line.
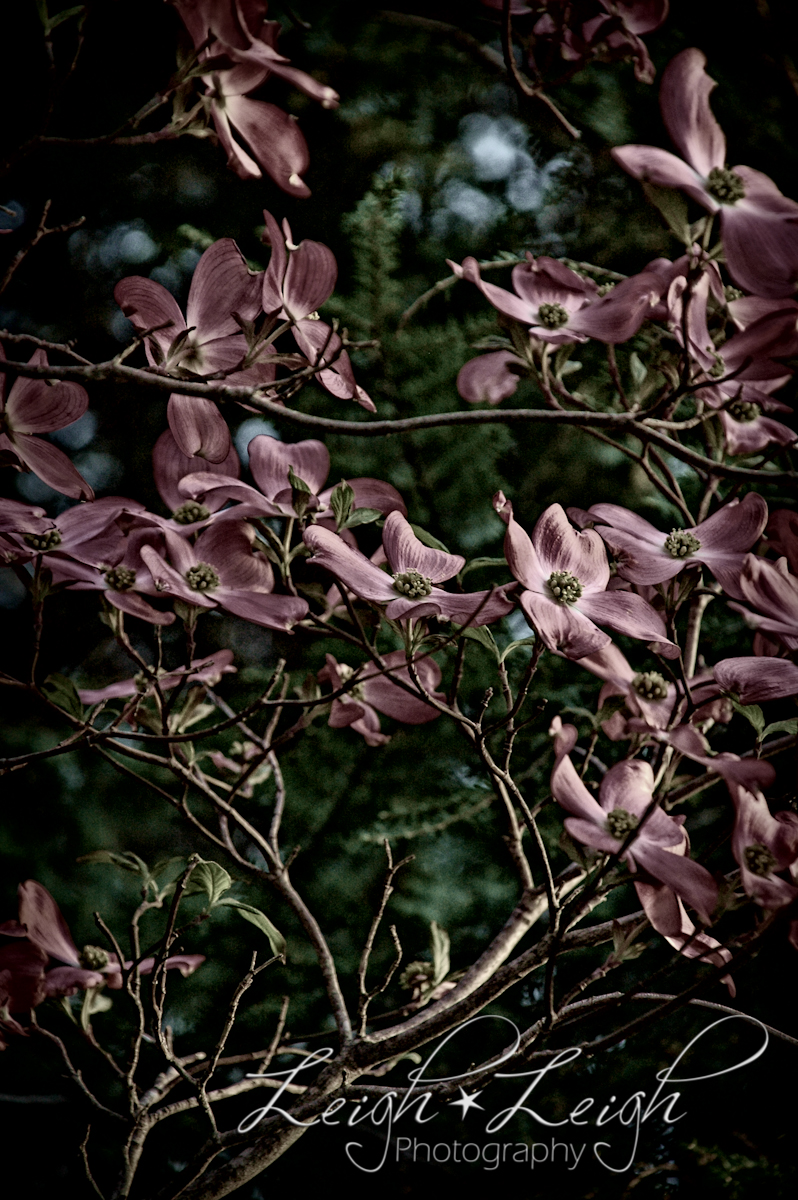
<point>210,342</point>
<point>239,47</point>
<point>39,959</point>
<point>583,31</point>
<point>736,346</point>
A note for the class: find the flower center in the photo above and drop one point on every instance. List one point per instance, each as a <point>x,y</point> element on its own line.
<point>94,958</point>
<point>744,410</point>
<point>120,579</point>
<point>759,860</point>
<point>725,186</point>
<point>345,673</point>
<point>564,587</point>
<point>620,822</point>
<point>552,316</point>
<point>43,541</point>
<point>201,578</point>
<point>190,512</point>
<point>412,584</point>
<point>732,293</point>
<point>680,543</point>
<point>650,685</point>
<point>718,367</point>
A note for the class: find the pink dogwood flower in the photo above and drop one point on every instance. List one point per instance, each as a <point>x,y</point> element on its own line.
<point>297,281</point>
<point>410,590</point>
<point>208,340</point>
<point>221,569</point>
<point>41,923</point>
<point>773,592</point>
<point>35,406</point>
<point>755,679</point>
<point>558,306</point>
<point>242,34</point>
<point>765,846</point>
<point>564,575</point>
<point>759,225</point>
<point>373,693</point>
<point>270,461</point>
<point>646,556</point>
<point>625,797</point>
<point>650,701</point>
<point>208,670</point>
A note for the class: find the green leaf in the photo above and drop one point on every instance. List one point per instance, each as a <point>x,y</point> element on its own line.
<point>476,563</point>
<point>341,502</point>
<point>94,1001</point>
<point>126,861</point>
<point>439,945</point>
<point>258,918</point>
<point>637,369</point>
<point>297,484</point>
<point>527,641</point>
<point>63,693</point>
<point>55,21</point>
<point>210,878</point>
<point>789,726</point>
<point>673,207</point>
<point>481,634</point>
<point>753,715</point>
<point>362,516</point>
<point>427,539</point>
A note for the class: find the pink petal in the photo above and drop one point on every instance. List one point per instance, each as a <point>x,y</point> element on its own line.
<point>270,460</point>
<point>617,316</point>
<point>663,169</point>
<point>348,565</point>
<point>406,553</point>
<point>518,548</point>
<point>684,99</point>
<point>562,628</point>
<point>46,927</point>
<point>275,140</point>
<point>39,406</point>
<point>273,612</point>
<point>560,547</point>
<point>66,981</point>
<point>490,378</point>
<point>761,248</point>
<point>221,285</point>
<point>170,465</point>
<point>628,613</point>
<point>688,879</point>
<point>227,546</point>
<point>369,493</point>
<point>52,466</point>
<point>136,606</point>
<point>757,679</point>
<point>147,304</point>
<point>199,429</point>
<point>309,280</point>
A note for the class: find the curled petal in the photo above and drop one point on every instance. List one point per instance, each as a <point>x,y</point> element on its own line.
<point>52,466</point>
<point>684,99</point>
<point>490,378</point>
<point>199,429</point>
<point>406,553</point>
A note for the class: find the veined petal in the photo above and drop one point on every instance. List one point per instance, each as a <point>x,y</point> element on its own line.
<point>757,679</point>
<point>46,927</point>
<point>273,612</point>
<point>628,613</point>
<point>688,879</point>
<point>275,140</point>
<point>199,429</point>
<point>490,378</point>
<point>761,249</point>
<point>348,565</point>
<point>560,547</point>
<point>309,280</point>
<point>222,284</point>
<point>170,465</point>
<point>270,460</point>
<point>518,548</point>
<point>148,304</point>
<point>684,100</point>
<point>660,167</point>
<point>406,553</point>
<point>561,627</point>
<point>40,406</point>
<point>52,466</point>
